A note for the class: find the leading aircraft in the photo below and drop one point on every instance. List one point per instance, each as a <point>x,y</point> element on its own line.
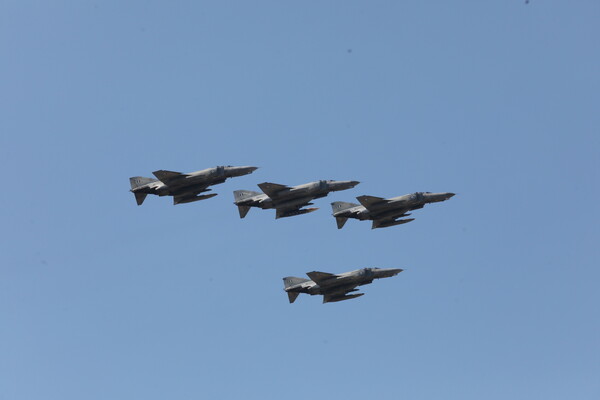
<point>335,287</point>
<point>184,188</point>
<point>384,212</point>
<point>287,201</point>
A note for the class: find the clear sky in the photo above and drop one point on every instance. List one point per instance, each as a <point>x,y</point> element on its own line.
<point>496,101</point>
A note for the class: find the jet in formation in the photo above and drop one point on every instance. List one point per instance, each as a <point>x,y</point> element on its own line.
<point>335,287</point>
<point>185,188</point>
<point>384,212</point>
<point>287,201</point>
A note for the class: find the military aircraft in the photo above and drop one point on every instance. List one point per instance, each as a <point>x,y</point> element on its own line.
<point>335,287</point>
<point>287,201</point>
<point>384,212</point>
<point>184,188</point>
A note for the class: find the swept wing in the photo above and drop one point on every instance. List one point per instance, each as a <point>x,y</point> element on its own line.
<point>170,178</point>
<point>320,277</point>
<point>272,189</point>
<point>372,202</point>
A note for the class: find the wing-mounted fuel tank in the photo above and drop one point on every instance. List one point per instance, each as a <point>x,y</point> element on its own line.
<point>387,224</point>
<point>183,200</point>
<point>294,202</point>
<point>283,213</point>
<point>341,298</point>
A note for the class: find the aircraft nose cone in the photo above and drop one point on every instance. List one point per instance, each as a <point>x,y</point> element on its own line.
<point>437,197</point>
<point>342,185</point>
<point>247,170</point>
<point>349,184</point>
<point>389,272</point>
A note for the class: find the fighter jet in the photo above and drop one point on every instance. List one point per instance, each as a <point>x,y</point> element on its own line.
<point>287,201</point>
<point>184,188</point>
<point>384,212</point>
<point>335,287</point>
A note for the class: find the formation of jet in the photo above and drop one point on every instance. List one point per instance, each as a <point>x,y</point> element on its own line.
<point>384,212</point>
<point>185,188</point>
<point>334,287</point>
<point>287,201</point>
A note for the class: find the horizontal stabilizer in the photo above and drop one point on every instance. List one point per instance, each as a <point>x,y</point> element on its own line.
<point>318,277</point>
<point>335,299</point>
<point>271,189</point>
<point>139,197</point>
<point>243,210</point>
<point>191,199</point>
<point>370,202</point>
<point>292,296</point>
<point>388,223</point>
<point>341,221</point>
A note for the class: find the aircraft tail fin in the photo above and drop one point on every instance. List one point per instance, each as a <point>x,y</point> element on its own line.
<point>289,281</point>
<point>241,195</point>
<point>338,206</point>
<point>137,181</point>
<point>140,197</point>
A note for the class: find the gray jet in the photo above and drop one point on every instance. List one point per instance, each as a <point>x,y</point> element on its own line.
<point>184,188</point>
<point>335,287</point>
<point>287,201</point>
<point>384,212</point>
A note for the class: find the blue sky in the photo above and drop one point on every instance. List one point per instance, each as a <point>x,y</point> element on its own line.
<point>495,101</point>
